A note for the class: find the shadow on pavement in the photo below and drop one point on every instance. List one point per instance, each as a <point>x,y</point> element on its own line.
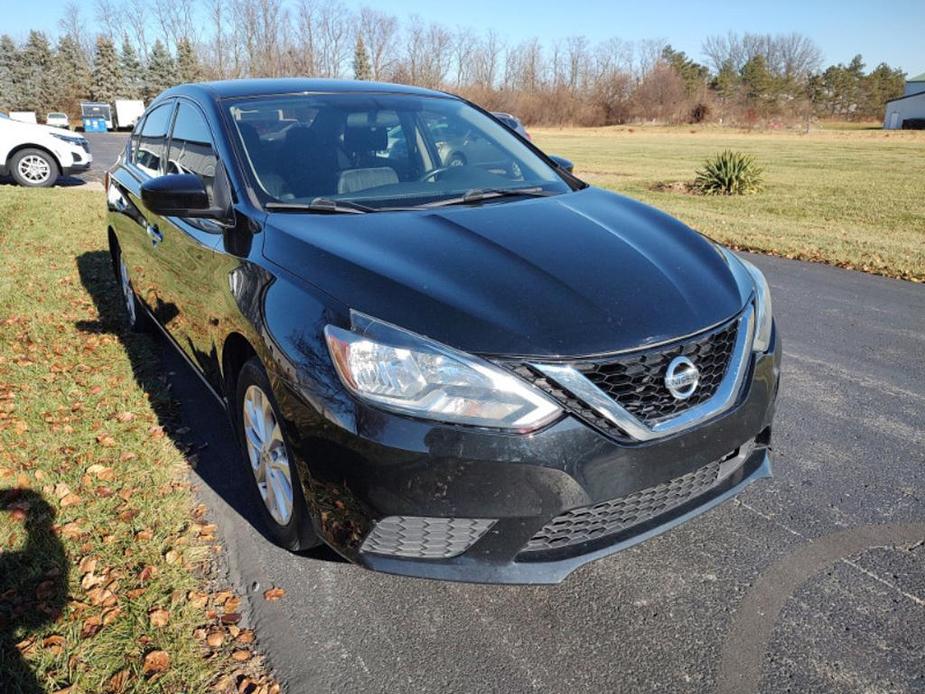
<point>200,428</point>
<point>63,182</point>
<point>33,586</point>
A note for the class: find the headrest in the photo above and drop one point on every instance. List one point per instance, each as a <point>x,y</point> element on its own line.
<point>365,139</point>
<point>301,138</point>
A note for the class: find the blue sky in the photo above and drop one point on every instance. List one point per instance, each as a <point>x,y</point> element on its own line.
<point>881,32</point>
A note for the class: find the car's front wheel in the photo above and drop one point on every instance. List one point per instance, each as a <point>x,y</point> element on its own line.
<point>269,458</point>
<point>34,168</point>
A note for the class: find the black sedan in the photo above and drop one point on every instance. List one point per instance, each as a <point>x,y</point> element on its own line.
<point>489,371</point>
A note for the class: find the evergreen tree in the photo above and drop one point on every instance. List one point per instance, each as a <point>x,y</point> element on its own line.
<point>107,77</point>
<point>160,74</point>
<point>361,67</point>
<point>188,68</point>
<point>694,74</point>
<point>133,76</point>
<point>32,72</point>
<point>9,87</point>
<point>757,79</point>
<point>879,86</point>
<point>71,77</point>
<point>726,82</point>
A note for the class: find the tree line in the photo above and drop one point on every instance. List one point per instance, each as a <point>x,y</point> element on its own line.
<point>137,48</point>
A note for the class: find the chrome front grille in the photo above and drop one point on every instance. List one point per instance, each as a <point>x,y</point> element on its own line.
<point>590,523</point>
<point>625,394</point>
<point>637,380</point>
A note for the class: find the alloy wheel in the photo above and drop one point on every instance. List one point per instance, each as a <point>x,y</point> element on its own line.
<point>128,294</point>
<point>266,452</point>
<point>34,169</point>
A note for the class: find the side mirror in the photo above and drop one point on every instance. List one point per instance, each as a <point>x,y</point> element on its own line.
<point>180,195</point>
<point>563,163</point>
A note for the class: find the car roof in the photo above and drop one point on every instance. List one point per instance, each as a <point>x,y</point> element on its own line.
<point>292,85</point>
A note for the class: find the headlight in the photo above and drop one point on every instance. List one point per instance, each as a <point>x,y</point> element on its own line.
<point>407,373</point>
<point>71,140</point>
<point>763,317</point>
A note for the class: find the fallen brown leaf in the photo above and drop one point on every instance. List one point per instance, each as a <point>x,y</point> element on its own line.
<point>155,662</point>
<point>70,500</point>
<point>215,638</point>
<point>241,655</point>
<point>273,594</point>
<point>54,644</point>
<point>119,681</point>
<point>158,617</point>
<point>91,627</point>
<point>87,565</point>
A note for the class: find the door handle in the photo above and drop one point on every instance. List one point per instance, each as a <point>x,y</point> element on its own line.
<point>154,234</point>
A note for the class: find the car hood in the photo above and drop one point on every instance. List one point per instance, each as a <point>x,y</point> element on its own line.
<point>29,129</point>
<point>587,272</point>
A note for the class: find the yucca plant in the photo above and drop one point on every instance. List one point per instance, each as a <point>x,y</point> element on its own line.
<point>729,173</point>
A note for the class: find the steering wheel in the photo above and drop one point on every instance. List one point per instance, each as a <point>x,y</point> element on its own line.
<point>435,172</point>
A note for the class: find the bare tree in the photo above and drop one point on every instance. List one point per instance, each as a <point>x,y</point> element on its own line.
<point>464,49</point>
<point>799,56</point>
<point>333,38</point>
<point>72,25</point>
<point>577,59</point>
<point>219,65</point>
<point>486,60</point>
<point>136,24</point>
<point>175,18</point>
<point>107,17</point>
<point>380,34</point>
<point>648,56</point>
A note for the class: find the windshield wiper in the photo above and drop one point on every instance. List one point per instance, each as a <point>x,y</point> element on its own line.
<point>479,194</point>
<point>324,205</point>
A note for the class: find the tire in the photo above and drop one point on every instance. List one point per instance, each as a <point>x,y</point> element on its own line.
<point>290,528</point>
<point>136,318</point>
<point>34,168</point>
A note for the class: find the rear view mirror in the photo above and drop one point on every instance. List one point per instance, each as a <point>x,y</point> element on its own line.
<point>181,195</point>
<point>175,195</point>
<point>563,163</point>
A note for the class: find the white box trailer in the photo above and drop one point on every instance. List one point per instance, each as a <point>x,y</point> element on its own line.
<point>128,111</point>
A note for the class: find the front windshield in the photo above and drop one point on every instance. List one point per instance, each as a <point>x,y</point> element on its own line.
<point>381,150</point>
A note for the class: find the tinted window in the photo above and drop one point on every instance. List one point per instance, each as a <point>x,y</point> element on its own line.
<point>191,149</point>
<point>152,141</point>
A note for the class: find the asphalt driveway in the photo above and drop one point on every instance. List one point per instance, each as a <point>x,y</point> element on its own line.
<point>812,581</point>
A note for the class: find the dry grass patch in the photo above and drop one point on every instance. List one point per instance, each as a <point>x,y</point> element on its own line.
<point>106,567</point>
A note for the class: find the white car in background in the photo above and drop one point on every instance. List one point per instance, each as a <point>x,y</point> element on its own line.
<point>56,119</point>
<point>36,155</point>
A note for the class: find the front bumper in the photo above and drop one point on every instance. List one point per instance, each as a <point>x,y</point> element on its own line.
<point>360,466</point>
<point>78,166</point>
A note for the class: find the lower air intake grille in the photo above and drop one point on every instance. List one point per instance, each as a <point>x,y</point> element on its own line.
<point>425,538</point>
<point>610,517</point>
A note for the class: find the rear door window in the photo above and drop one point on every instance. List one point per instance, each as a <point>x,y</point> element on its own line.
<point>191,148</point>
<point>149,153</point>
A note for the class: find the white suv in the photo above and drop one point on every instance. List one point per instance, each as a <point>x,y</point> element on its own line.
<point>36,155</point>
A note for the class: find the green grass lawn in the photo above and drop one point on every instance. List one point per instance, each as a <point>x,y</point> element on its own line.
<point>106,565</point>
<point>851,197</point>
